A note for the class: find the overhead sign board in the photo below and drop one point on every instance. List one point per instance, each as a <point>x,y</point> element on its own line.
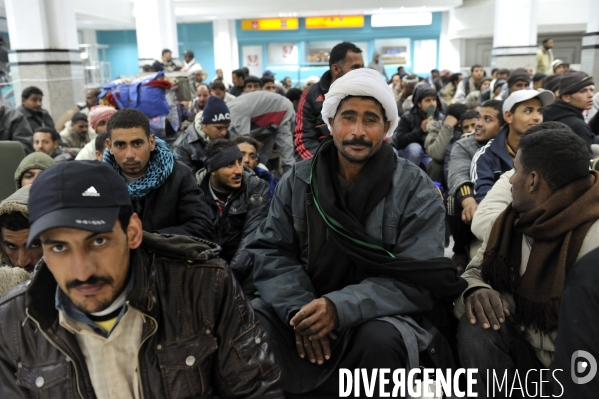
<point>270,24</point>
<point>346,21</point>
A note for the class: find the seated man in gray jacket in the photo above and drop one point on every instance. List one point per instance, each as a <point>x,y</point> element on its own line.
<point>349,253</point>
<point>440,135</point>
<point>461,204</point>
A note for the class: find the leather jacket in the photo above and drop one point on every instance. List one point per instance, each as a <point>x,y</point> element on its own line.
<point>175,207</point>
<point>236,226</point>
<point>190,149</point>
<point>193,309</point>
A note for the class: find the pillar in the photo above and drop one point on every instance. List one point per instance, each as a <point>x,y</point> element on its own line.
<point>590,43</point>
<point>156,29</point>
<point>449,46</point>
<point>515,34</point>
<point>226,48</point>
<point>45,52</point>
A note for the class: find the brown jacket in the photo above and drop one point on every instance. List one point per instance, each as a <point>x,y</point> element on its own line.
<point>194,308</point>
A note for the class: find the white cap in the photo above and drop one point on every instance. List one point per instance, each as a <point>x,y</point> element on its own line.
<point>545,96</point>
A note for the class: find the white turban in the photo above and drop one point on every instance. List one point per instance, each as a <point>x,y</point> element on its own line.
<point>364,83</point>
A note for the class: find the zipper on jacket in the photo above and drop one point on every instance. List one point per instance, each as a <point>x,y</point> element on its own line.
<point>141,385</point>
<point>59,349</point>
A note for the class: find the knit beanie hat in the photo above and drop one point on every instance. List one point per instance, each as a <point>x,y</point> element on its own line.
<point>410,80</point>
<point>571,82</point>
<point>35,160</point>
<point>517,75</point>
<point>551,82</point>
<point>556,63</point>
<point>216,111</point>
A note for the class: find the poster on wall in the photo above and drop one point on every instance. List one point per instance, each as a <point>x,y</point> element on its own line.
<point>283,53</point>
<point>393,51</point>
<point>252,58</point>
<point>319,52</point>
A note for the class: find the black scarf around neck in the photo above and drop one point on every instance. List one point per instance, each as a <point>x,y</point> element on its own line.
<point>350,254</point>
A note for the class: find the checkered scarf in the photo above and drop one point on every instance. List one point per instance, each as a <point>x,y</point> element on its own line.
<point>159,169</point>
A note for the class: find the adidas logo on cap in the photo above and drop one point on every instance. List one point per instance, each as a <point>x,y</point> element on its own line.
<point>91,192</point>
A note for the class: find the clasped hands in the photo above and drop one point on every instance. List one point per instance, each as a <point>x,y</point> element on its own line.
<point>313,327</point>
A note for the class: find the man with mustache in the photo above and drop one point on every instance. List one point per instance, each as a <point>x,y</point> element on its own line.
<point>522,110</point>
<point>113,312</point>
<point>238,201</point>
<point>164,193</point>
<point>346,251</point>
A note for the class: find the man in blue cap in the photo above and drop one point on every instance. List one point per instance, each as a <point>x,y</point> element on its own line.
<point>115,312</point>
<point>210,124</point>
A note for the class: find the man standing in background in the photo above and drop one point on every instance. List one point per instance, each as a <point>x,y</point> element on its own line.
<point>545,57</point>
<point>310,129</point>
<point>377,65</point>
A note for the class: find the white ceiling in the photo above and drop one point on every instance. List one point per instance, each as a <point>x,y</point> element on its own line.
<point>118,14</point>
<point>199,10</point>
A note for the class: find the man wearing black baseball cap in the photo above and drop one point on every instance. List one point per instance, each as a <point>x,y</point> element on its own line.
<point>576,90</point>
<point>112,311</point>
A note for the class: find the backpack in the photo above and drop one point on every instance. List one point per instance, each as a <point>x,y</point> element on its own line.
<point>145,95</point>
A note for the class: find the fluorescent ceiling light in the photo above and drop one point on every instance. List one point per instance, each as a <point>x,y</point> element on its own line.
<point>404,19</point>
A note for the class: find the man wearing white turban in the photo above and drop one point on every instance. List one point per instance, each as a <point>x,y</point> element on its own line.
<point>350,255</point>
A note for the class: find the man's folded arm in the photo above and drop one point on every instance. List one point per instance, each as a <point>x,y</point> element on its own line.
<point>278,273</point>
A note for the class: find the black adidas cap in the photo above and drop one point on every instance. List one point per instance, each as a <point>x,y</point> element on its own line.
<point>85,195</point>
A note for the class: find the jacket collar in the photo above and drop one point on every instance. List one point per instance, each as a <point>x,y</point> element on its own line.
<point>302,170</point>
<point>498,146</point>
<point>193,135</point>
<point>28,113</point>
<point>564,109</point>
<point>40,295</point>
<point>325,81</point>
<point>203,179</point>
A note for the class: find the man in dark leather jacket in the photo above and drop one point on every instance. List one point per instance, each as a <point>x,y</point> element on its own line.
<point>112,309</point>
<point>239,201</point>
<point>163,191</point>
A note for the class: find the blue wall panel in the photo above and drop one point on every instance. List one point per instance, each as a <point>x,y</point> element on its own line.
<point>122,53</point>
<point>199,39</point>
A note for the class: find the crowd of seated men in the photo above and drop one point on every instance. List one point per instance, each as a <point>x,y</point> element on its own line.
<point>275,235</point>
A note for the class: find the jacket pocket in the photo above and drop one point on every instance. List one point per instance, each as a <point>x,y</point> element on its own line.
<point>48,381</point>
<point>390,230</point>
<point>256,360</point>
<point>185,367</point>
<point>385,231</point>
<point>300,224</point>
